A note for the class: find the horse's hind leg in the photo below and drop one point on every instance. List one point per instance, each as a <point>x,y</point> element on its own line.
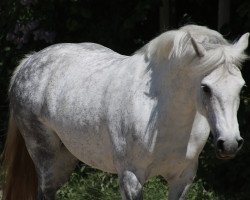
<point>54,172</point>
<point>53,162</point>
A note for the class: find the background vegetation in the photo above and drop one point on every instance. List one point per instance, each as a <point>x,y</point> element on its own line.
<point>124,26</point>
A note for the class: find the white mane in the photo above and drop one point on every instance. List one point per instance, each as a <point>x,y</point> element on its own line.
<point>176,44</point>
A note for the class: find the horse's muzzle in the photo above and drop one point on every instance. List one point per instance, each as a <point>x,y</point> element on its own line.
<point>227,149</point>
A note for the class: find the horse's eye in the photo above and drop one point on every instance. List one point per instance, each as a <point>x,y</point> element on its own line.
<point>206,89</point>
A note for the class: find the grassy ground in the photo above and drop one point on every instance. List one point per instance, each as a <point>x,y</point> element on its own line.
<point>91,184</point>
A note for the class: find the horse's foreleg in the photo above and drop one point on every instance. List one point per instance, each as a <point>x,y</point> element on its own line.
<point>130,186</point>
<point>179,186</point>
<point>178,190</point>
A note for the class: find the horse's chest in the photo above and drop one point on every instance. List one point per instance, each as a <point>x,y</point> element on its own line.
<point>170,163</point>
<point>170,156</point>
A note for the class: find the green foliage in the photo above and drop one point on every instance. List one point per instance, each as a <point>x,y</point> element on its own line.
<point>87,183</point>
<point>90,184</point>
<point>155,188</point>
<point>198,192</point>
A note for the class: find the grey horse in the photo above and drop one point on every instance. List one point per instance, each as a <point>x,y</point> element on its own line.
<point>139,116</point>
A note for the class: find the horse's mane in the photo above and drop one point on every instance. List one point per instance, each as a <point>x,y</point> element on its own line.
<point>176,44</point>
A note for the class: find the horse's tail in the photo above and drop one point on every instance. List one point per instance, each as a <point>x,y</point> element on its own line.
<point>20,178</point>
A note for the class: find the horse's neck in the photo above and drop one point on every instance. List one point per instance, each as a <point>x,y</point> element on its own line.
<point>175,91</point>
<point>180,106</point>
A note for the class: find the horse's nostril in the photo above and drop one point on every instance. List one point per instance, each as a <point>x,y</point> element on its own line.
<point>240,143</point>
<point>220,145</point>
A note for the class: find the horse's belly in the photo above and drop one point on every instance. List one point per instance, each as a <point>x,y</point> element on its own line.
<point>94,149</point>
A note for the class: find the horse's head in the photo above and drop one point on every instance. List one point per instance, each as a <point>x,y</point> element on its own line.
<point>203,57</point>
<point>219,97</point>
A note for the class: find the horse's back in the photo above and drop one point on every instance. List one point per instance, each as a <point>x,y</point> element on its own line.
<point>52,66</point>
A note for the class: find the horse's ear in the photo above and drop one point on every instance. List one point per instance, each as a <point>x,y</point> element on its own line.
<point>198,48</point>
<point>242,43</point>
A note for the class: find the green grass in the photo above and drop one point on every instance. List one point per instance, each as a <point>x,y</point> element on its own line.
<point>89,184</point>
